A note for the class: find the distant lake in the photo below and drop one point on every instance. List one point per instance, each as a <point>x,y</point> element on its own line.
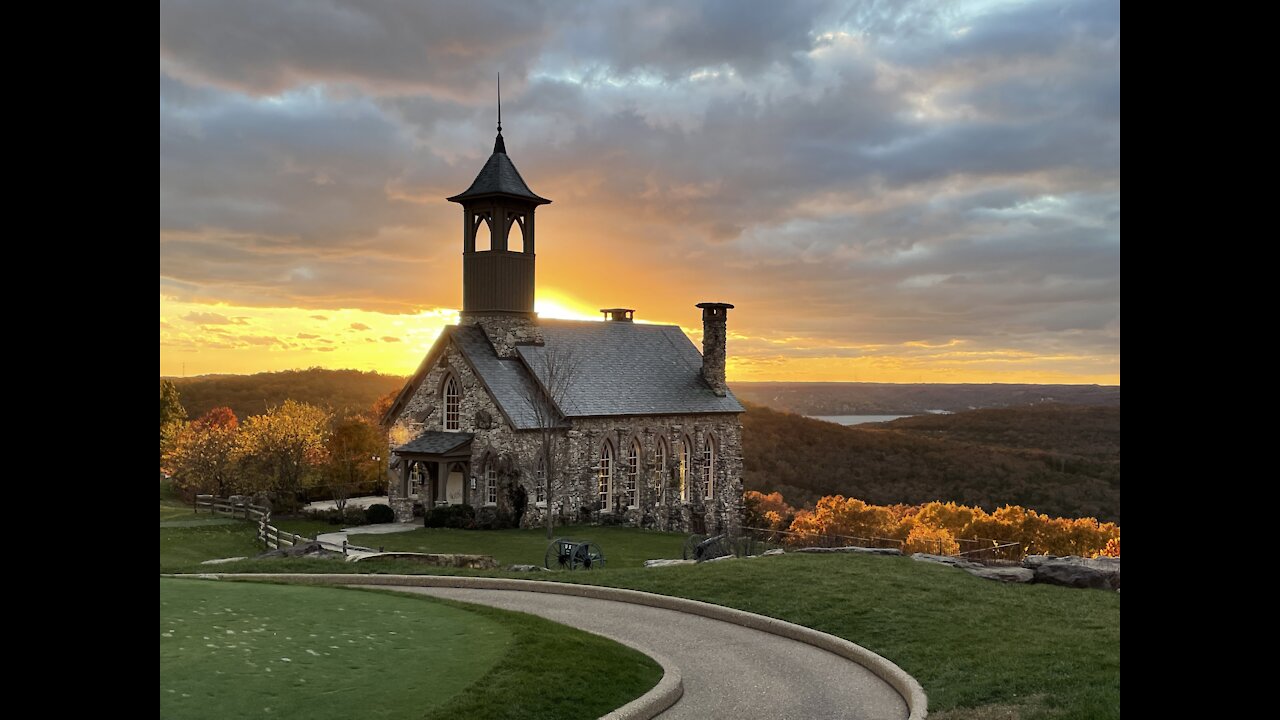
<point>856,419</point>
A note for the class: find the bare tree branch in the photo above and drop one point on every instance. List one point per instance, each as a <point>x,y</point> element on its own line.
<point>546,393</point>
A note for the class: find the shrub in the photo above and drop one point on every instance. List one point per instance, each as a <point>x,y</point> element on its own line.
<point>935,541</point>
<point>351,516</point>
<point>1112,549</point>
<point>379,513</point>
<point>452,516</point>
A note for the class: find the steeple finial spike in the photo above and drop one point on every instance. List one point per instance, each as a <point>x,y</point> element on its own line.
<point>499,146</point>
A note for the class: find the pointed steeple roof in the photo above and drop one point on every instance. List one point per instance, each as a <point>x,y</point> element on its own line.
<point>499,177</point>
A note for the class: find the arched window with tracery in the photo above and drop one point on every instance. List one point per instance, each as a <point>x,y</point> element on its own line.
<point>660,469</point>
<point>605,476</point>
<point>452,397</point>
<point>633,474</point>
<point>686,459</point>
<point>708,467</point>
<point>540,482</point>
<point>491,485</point>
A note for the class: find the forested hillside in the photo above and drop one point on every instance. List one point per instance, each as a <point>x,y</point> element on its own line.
<point>850,398</point>
<point>340,390</point>
<point>1061,460</point>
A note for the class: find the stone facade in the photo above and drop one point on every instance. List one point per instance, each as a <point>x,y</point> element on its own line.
<point>714,335</point>
<point>659,502</point>
<point>505,330</point>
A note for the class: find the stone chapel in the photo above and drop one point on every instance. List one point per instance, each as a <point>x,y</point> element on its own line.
<point>641,429</point>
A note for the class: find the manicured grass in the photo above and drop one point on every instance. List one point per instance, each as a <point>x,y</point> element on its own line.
<point>975,645</point>
<point>1051,652</point>
<point>257,649</point>
<point>552,672</point>
<point>248,649</point>
<point>186,547</point>
<point>623,547</point>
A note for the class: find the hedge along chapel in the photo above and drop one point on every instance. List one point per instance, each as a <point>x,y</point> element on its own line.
<point>627,421</point>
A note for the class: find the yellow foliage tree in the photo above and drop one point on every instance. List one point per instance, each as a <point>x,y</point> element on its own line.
<point>770,510</point>
<point>838,515</point>
<point>1038,534</point>
<point>284,447</point>
<point>932,540</point>
<point>1112,549</point>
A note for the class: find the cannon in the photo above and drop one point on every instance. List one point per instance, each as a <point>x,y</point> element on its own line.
<point>570,554</point>
<point>699,547</point>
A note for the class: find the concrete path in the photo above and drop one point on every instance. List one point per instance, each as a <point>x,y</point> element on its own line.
<point>729,671</point>
<point>334,539</point>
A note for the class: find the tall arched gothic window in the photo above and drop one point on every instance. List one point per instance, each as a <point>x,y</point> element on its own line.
<point>708,467</point>
<point>540,482</point>
<point>491,485</point>
<point>633,474</point>
<point>660,463</point>
<point>452,403</point>
<point>605,476</point>
<point>686,459</point>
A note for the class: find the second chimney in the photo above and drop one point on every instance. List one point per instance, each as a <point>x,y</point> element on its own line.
<point>713,341</point>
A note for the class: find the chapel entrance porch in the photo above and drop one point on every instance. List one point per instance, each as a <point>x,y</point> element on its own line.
<point>434,468</point>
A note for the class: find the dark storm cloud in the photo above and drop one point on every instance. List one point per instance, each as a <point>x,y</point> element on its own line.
<point>674,38</point>
<point>449,47</point>
<point>880,172</point>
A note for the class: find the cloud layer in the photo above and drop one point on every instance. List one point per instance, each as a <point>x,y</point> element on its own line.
<point>884,179</point>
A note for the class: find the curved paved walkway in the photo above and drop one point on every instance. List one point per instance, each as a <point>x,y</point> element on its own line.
<point>729,671</point>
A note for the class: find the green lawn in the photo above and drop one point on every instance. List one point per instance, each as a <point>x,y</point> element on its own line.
<point>623,547</point>
<point>981,649</point>
<point>245,649</point>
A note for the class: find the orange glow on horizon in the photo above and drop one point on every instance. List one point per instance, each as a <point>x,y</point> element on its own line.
<point>218,338</point>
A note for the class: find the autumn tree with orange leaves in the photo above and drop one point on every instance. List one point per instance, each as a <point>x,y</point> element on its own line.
<point>205,454</point>
<point>945,526</point>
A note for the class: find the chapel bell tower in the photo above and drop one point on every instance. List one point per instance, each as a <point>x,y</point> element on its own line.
<point>498,234</point>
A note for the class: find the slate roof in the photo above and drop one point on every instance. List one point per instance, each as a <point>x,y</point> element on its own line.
<point>435,443</point>
<point>623,369</point>
<point>506,378</point>
<point>629,369</point>
<point>499,176</point>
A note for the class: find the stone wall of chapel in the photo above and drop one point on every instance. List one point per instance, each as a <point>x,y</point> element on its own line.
<point>478,414</point>
<point>658,498</point>
<point>575,482</point>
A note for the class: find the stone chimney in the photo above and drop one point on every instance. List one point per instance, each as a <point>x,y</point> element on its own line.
<point>713,339</point>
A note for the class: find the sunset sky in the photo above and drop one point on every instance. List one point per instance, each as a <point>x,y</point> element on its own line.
<point>886,191</point>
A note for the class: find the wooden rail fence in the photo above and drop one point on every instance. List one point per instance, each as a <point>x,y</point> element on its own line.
<point>268,534</point>
<point>983,550</point>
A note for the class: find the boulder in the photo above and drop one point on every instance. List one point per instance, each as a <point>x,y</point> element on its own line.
<point>945,560</point>
<point>525,568</point>
<point>850,549</point>
<point>1085,575</point>
<point>722,557</point>
<point>877,551</point>
<point>310,548</point>
<point>665,563</point>
<point>220,561</point>
<point>775,551</point>
<point>1076,575</point>
<point>1003,574</point>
